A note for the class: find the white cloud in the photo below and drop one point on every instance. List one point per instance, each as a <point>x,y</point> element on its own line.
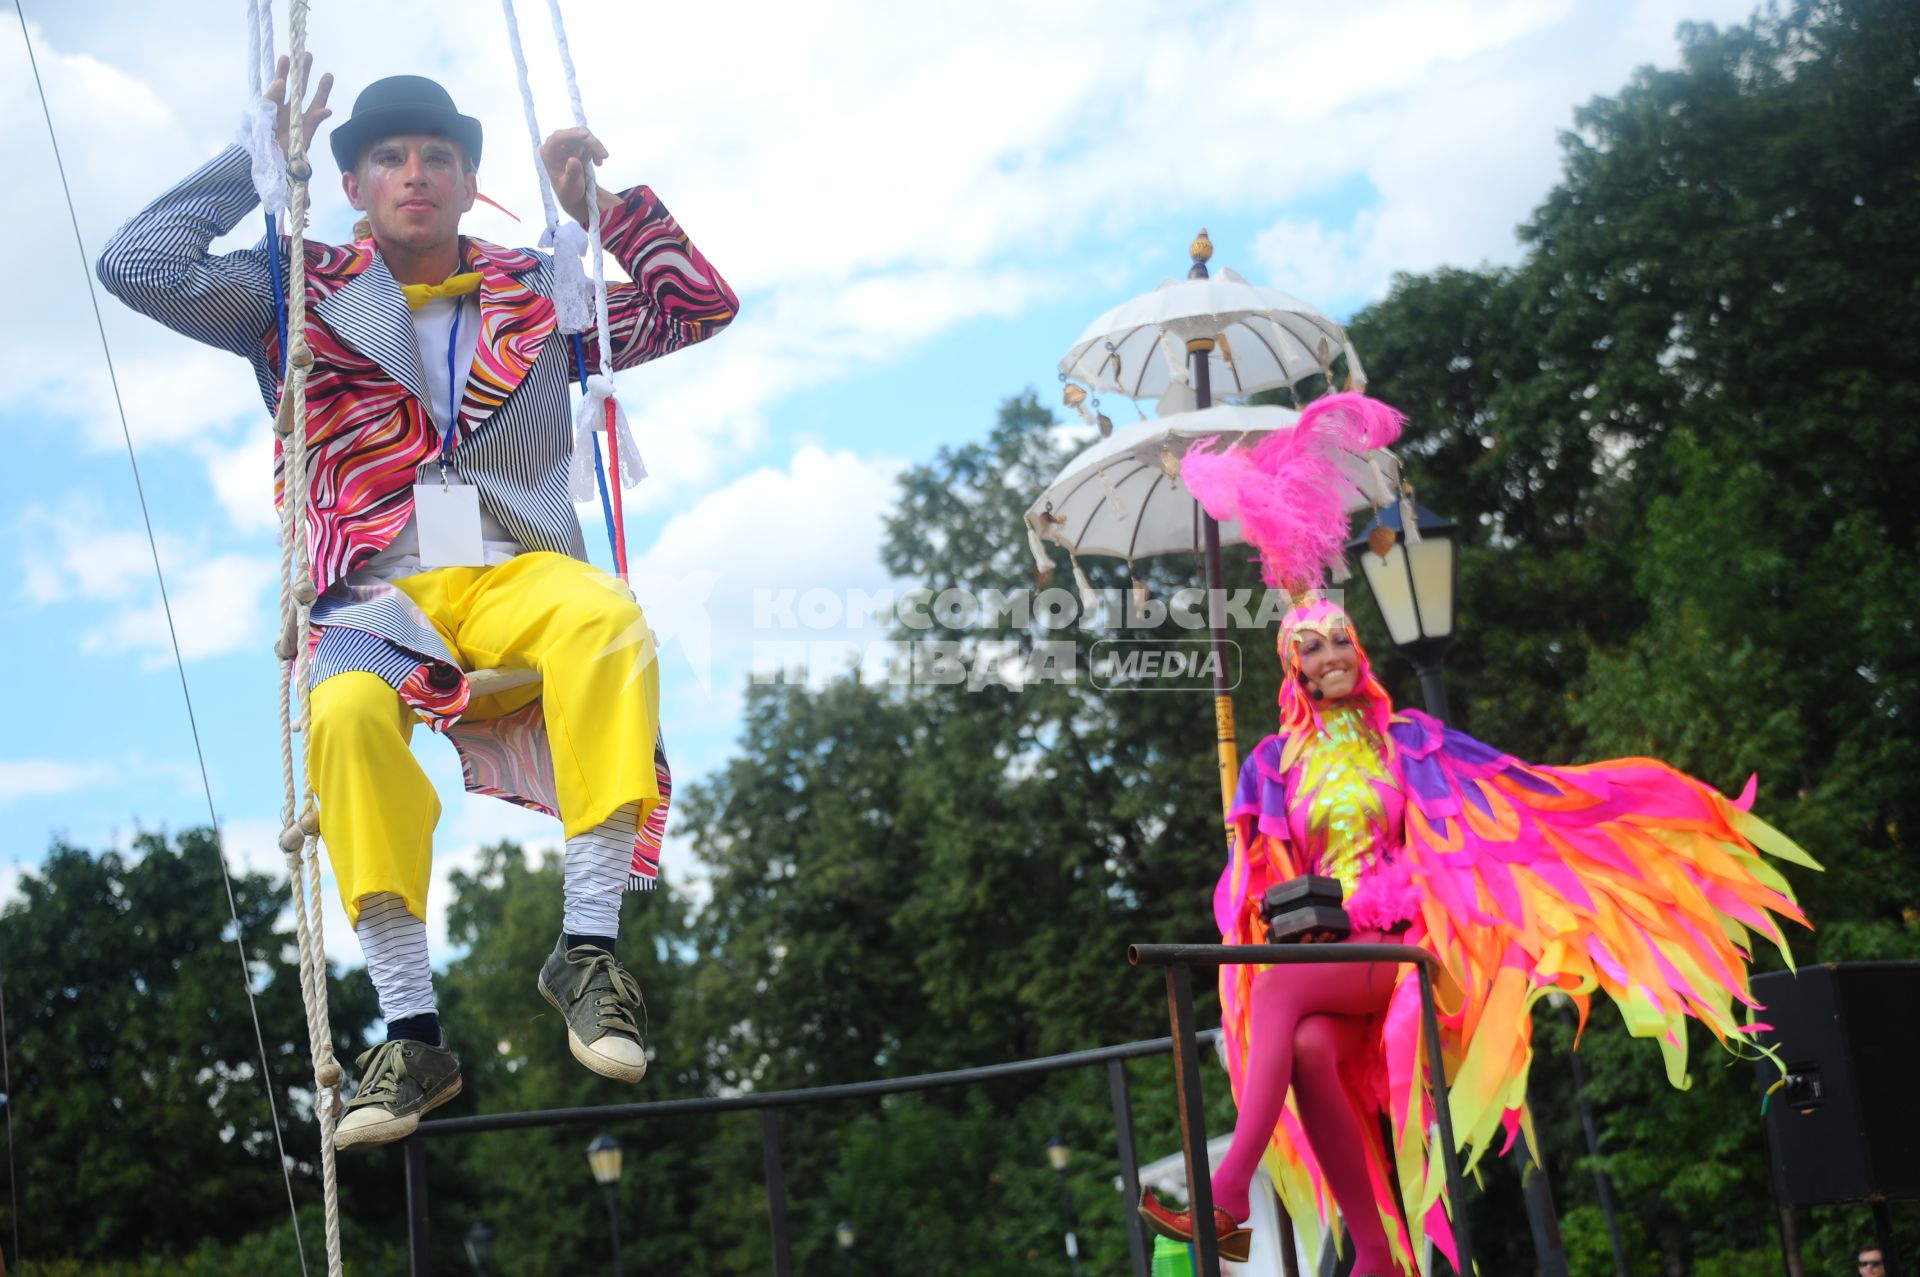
<point>41,777</point>
<point>815,525</point>
<point>252,846</point>
<point>120,141</point>
<point>242,477</point>
<point>216,608</point>
<point>1327,264</point>
<point>217,601</point>
<point>871,177</point>
<point>68,554</point>
<point>1459,156</point>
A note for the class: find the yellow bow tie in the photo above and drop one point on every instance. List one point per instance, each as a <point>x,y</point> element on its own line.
<point>419,295</point>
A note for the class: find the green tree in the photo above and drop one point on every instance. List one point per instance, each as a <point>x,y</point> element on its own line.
<point>910,879</point>
<point>1677,431</point>
<point>140,1124</point>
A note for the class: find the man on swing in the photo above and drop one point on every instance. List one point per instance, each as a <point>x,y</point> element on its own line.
<point>439,385</point>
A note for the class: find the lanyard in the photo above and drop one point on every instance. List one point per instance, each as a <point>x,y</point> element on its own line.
<point>449,445</point>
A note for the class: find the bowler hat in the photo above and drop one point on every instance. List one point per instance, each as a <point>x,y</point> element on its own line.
<point>403,104</point>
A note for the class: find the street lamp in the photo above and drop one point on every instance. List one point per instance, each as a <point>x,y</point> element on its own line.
<point>603,1156</point>
<point>480,1248</point>
<point>843,1238</point>
<point>1413,584</point>
<point>1058,1156</point>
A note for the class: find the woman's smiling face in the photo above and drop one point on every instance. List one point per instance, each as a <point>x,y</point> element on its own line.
<point>1329,662</point>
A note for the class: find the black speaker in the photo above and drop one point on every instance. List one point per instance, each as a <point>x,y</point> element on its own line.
<point>1846,1126</point>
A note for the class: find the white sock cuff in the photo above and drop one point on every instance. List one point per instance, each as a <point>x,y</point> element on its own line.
<point>597,865</point>
<point>394,943</point>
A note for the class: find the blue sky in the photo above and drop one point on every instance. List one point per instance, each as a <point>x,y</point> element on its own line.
<point>921,212</point>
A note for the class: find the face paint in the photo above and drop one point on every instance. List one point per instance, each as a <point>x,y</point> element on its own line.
<point>1326,670</point>
<point>1317,645</point>
<point>414,189</point>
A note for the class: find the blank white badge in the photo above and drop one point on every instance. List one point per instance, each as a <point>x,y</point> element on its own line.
<point>447,517</point>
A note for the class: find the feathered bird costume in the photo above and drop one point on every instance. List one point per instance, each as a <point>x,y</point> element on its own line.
<point>1624,878</point>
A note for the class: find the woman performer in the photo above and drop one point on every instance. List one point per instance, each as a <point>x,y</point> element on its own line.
<point>1627,877</point>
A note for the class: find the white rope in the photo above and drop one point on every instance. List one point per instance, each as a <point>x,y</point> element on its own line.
<point>591,414</point>
<point>257,132</point>
<point>603,328</point>
<point>572,294</point>
<point>173,636</point>
<point>578,303</point>
<point>299,837</point>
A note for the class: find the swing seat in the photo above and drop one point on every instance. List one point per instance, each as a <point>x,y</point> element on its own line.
<point>489,682</point>
<point>494,681</point>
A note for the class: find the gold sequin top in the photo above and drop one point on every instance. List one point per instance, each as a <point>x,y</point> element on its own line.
<point>1346,806</point>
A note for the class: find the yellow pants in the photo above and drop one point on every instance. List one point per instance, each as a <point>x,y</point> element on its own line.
<point>601,698</point>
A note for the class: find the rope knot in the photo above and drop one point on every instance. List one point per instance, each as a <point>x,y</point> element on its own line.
<point>591,417</point>
<point>573,297</point>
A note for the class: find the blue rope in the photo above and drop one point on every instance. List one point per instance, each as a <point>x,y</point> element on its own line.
<point>279,291</point>
<point>599,467</point>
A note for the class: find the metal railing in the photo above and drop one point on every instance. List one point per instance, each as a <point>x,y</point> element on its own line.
<point>1183,1044</point>
<point>1179,960</point>
<point>768,1104</point>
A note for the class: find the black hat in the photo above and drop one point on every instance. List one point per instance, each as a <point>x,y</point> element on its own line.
<point>403,104</point>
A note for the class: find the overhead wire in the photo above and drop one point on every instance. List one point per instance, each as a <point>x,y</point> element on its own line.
<point>6,1101</point>
<point>179,661</point>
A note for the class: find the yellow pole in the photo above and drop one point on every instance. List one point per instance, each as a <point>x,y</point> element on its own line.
<point>1228,746</point>
<point>1226,743</point>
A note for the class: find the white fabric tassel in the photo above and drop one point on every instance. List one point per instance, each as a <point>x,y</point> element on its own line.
<point>257,132</point>
<point>572,290</point>
<point>1042,561</point>
<point>1088,599</point>
<point>1409,518</point>
<point>268,160</point>
<point>590,417</point>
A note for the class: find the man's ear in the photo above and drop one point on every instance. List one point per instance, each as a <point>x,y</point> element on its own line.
<point>473,189</point>
<point>350,183</point>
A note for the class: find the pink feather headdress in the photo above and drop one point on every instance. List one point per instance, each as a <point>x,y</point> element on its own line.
<point>1289,492</point>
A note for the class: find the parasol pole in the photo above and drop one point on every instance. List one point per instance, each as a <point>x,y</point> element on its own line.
<point>1226,741</point>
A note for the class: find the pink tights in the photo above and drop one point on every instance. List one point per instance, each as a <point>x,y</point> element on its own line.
<point>1307,1022</point>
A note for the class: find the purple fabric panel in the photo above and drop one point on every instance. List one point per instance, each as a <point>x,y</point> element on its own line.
<point>1261,795</point>
<point>1428,787</point>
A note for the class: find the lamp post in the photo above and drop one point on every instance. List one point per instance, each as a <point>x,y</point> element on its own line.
<point>1059,1156</point>
<point>1413,584</point>
<point>480,1248</point>
<point>843,1238</point>
<point>603,1156</point>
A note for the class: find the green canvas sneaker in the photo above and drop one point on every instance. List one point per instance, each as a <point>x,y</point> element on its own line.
<point>598,997</point>
<point>399,1081</point>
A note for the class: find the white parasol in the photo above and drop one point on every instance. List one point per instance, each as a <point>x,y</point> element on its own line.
<point>1259,339</point>
<point>1122,498</point>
